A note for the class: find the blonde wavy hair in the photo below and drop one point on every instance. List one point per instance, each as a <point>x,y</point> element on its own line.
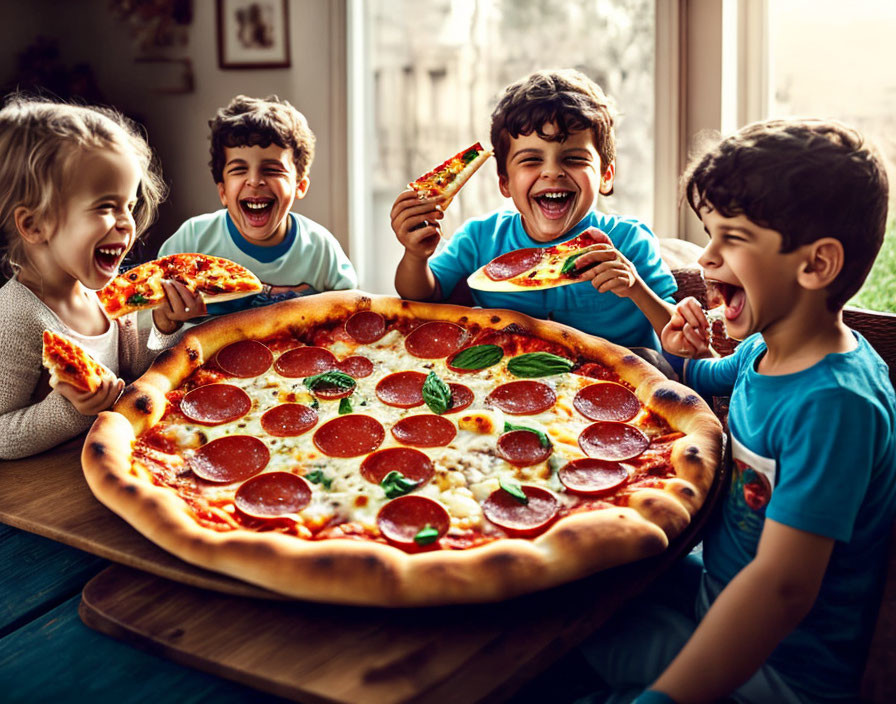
<point>40,140</point>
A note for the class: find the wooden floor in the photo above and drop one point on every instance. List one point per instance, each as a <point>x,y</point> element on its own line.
<point>48,655</point>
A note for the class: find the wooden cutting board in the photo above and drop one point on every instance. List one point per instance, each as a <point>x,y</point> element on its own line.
<point>48,495</point>
<point>351,655</point>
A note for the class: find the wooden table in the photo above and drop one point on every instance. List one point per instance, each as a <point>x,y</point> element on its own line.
<point>300,650</point>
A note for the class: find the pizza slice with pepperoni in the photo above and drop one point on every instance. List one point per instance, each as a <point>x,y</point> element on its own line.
<point>534,268</point>
<point>68,362</point>
<point>216,278</point>
<point>448,178</point>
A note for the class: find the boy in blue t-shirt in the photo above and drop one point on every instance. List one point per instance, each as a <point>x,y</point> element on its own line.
<point>554,143</point>
<point>793,566</point>
<point>261,153</point>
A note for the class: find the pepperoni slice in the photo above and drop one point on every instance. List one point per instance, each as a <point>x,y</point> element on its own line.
<point>612,441</point>
<point>435,339</point>
<point>366,326</point>
<point>424,431</point>
<point>413,464</point>
<point>402,520</point>
<point>244,359</point>
<point>356,367</point>
<point>461,397</point>
<point>231,458</point>
<point>329,392</point>
<point>213,404</point>
<point>272,494</point>
<point>607,400</point>
<point>401,389</point>
<point>305,361</point>
<point>521,519</point>
<point>522,448</point>
<point>592,477</point>
<point>349,436</point>
<point>288,420</point>
<point>513,263</point>
<point>523,398</point>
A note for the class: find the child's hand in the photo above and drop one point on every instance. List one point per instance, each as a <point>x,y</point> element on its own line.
<point>608,270</point>
<point>89,403</point>
<point>416,223</point>
<point>180,304</point>
<point>687,332</point>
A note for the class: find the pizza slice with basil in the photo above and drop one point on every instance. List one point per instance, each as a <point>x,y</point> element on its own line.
<point>534,268</point>
<point>448,178</point>
<point>216,278</point>
<point>68,362</point>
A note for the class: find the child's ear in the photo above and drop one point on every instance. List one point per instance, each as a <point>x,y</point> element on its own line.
<point>302,188</point>
<point>606,179</point>
<point>502,185</point>
<point>221,194</point>
<point>29,226</point>
<point>823,263</point>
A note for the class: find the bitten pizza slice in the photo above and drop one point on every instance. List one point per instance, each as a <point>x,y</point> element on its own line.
<point>216,278</point>
<point>534,268</point>
<point>69,363</point>
<point>447,179</point>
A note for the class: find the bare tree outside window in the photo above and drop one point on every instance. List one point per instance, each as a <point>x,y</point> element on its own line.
<point>438,69</point>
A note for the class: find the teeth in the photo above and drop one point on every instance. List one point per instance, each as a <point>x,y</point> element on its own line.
<point>256,206</point>
<point>111,251</point>
<point>554,196</point>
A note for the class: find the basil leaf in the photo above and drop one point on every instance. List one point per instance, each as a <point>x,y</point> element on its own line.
<point>338,379</point>
<point>469,155</point>
<point>137,299</point>
<point>427,535</point>
<point>542,438</point>
<point>345,406</point>
<point>535,364</point>
<point>318,477</point>
<point>315,404</point>
<point>514,489</point>
<point>395,484</point>
<point>477,357</point>
<point>570,264</point>
<point>436,394</point>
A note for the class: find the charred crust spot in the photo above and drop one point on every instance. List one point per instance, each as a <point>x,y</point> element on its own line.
<point>192,354</point>
<point>631,359</point>
<point>514,328</point>
<point>463,319</point>
<point>405,305</point>
<point>130,489</point>
<point>692,400</point>
<point>693,450</point>
<point>664,393</point>
<point>495,319</point>
<point>98,449</point>
<point>323,562</point>
<point>143,403</point>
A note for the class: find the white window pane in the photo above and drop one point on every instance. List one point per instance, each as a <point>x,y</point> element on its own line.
<point>438,68</point>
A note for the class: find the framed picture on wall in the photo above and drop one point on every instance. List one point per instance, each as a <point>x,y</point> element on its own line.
<point>253,34</point>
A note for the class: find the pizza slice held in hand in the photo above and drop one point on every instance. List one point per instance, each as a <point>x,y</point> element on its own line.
<point>216,278</point>
<point>534,268</point>
<point>71,364</point>
<point>448,178</point>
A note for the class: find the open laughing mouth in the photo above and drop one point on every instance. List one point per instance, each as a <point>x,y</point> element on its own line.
<point>108,257</point>
<point>257,210</point>
<point>719,293</point>
<point>554,204</point>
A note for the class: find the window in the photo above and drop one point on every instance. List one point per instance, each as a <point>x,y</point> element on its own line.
<point>429,75</point>
<point>827,62</point>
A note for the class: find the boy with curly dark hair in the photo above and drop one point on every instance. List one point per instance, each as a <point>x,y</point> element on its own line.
<point>553,133</point>
<point>794,563</point>
<point>261,154</point>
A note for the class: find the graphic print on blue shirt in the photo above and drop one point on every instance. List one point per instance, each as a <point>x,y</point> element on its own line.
<point>752,484</point>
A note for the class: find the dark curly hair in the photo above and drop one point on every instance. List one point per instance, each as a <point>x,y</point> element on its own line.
<point>564,97</point>
<point>805,179</point>
<point>250,122</point>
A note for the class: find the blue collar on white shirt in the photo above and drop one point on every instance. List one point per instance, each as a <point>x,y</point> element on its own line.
<point>263,254</point>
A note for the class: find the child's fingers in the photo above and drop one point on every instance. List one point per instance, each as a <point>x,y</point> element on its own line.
<point>413,206</point>
<point>584,265</point>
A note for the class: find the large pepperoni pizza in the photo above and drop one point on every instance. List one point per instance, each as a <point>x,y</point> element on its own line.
<point>362,449</point>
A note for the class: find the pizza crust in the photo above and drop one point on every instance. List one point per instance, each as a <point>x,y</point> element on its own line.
<point>368,573</point>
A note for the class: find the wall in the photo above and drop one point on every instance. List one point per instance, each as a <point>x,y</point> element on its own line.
<point>177,123</point>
